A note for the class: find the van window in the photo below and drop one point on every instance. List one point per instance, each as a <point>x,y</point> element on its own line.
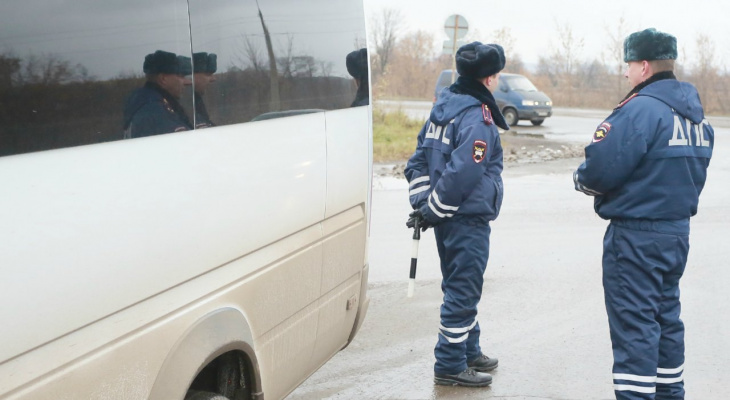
<point>308,44</point>
<point>518,83</point>
<point>64,81</point>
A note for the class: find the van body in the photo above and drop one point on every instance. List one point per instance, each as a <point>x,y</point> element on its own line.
<point>221,263</point>
<point>517,97</point>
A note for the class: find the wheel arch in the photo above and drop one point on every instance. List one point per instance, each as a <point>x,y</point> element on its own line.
<point>213,335</point>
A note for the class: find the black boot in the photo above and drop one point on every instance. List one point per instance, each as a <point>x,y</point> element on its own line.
<point>467,377</point>
<point>483,363</point>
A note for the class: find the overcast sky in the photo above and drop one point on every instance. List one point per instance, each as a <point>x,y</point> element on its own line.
<point>533,22</point>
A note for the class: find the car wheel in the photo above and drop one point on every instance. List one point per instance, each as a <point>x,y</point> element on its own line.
<point>510,116</point>
<point>537,121</point>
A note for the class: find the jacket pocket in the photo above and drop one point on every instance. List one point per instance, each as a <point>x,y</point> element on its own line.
<point>498,195</point>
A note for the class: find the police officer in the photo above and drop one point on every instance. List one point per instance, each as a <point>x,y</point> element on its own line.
<point>646,167</point>
<point>204,68</point>
<point>456,187</point>
<point>155,108</point>
<point>357,67</point>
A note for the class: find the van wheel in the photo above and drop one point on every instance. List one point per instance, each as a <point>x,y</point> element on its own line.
<point>510,116</point>
<point>537,121</point>
<point>196,395</point>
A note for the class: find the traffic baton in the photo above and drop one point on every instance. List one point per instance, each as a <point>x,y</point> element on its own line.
<point>414,257</point>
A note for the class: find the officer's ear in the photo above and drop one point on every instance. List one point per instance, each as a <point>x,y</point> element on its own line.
<point>646,69</point>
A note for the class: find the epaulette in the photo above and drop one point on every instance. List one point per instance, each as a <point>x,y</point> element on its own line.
<point>621,104</point>
<point>167,106</point>
<point>488,119</point>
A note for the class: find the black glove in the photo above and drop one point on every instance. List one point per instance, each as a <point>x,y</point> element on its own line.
<point>417,216</point>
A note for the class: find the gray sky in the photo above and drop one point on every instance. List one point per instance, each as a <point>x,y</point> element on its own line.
<point>533,23</point>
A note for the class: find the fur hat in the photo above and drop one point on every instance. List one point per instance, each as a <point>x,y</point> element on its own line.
<point>161,62</point>
<point>205,62</point>
<point>476,60</point>
<point>650,45</point>
<point>357,63</point>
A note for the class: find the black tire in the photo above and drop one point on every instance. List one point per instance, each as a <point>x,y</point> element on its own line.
<point>510,116</point>
<point>196,395</point>
<point>537,121</point>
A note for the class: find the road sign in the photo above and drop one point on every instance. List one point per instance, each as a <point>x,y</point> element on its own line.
<point>450,48</point>
<point>456,27</point>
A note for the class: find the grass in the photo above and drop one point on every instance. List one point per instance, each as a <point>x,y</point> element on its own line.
<point>394,135</point>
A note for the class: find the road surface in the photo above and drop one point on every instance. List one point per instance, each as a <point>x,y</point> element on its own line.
<point>542,310</point>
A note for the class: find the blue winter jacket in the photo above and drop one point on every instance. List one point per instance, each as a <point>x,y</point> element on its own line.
<point>649,158</point>
<point>457,166</point>
<point>150,111</point>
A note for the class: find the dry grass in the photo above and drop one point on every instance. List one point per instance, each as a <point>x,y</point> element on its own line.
<point>394,135</point>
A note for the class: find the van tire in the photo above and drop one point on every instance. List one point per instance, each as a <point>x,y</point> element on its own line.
<point>510,116</point>
<point>537,121</point>
<point>195,395</point>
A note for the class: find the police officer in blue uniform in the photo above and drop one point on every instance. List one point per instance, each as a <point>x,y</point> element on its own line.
<point>155,108</point>
<point>646,168</point>
<point>456,187</point>
<point>204,66</point>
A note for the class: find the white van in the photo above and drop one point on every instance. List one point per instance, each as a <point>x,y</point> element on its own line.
<point>220,263</point>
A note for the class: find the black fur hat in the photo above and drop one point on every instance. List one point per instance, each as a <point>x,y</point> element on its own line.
<point>205,62</point>
<point>161,62</point>
<point>357,64</point>
<point>477,60</point>
<point>650,45</point>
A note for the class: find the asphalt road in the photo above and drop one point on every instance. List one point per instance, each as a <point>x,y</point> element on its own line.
<point>542,310</point>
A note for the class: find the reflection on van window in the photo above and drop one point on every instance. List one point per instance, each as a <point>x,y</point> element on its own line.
<point>155,108</point>
<point>275,58</point>
<point>65,82</point>
<point>357,66</point>
<point>205,66</point>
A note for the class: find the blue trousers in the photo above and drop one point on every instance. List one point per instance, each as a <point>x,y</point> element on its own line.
<point>642,263</point>
<point>463,246</point>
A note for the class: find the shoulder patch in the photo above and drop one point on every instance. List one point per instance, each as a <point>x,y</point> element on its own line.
<point>479,150</point>
<point>488,119</point>
<point>621,104</point>
<point>167,106</point>
<point>602,131</point>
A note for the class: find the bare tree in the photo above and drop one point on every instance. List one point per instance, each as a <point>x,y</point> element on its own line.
<point>251,55</point>
<point>565,58</point>
<point>49,69</point>
<point>415,67</point>
<point>569,48</point>
<point>286,61</point>
<point>503,37</point>
<point>613,54</point>
<point>705,73</point>
<point>385,27</point>
<point>9,68</point>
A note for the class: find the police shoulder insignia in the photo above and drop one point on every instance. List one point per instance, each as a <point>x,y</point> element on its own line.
<point>167,106</point>
<point>479,150</point>
<point>621,104</point>
<point>488,119</point>
<point>601,132</point>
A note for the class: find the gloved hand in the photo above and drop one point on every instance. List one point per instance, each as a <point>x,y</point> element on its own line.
<point>416,215</point>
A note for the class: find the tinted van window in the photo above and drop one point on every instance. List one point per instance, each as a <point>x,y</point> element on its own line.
<point>65,81</point>
<point>274,58</point>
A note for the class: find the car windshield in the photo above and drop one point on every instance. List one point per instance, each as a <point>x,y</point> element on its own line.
<point>520,83</point>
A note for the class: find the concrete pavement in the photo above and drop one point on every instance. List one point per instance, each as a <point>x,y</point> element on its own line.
<point>542,311</point>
